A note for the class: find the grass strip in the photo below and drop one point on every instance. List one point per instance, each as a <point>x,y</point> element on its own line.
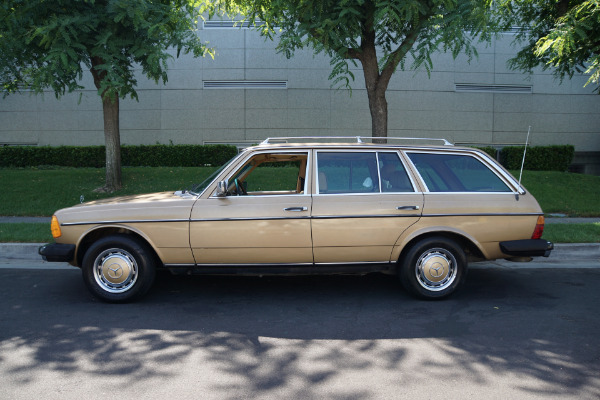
<point>25,233</point>
<point>572,233</point>
<point>575,195</point>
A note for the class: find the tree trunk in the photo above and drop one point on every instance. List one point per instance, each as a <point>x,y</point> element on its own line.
<point>379,113</point>
<point>376,87</point>
<point>112,135</point>
<point>112,138</point>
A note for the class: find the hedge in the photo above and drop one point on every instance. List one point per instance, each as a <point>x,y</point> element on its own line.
<point>491,151</point>
<point>131,156</point>
<point>538,158</point>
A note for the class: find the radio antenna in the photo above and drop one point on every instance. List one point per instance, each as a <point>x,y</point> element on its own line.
<point>523,161</point>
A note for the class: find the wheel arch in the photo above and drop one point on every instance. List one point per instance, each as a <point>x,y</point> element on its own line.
<point>99,232</point>
<point>470,246</point>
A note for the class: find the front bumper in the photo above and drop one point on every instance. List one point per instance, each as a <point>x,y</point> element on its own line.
<point>57,252</point>
<point>527,248</point>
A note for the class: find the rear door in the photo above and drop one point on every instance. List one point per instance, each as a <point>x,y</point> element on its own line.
<point>363,201</point>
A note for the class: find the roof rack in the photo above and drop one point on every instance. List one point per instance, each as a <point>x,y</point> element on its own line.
<point>355,139</point>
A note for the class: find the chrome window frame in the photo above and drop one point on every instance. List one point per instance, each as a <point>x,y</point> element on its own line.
<point>253,153</point>
<point>364,150</point>
<point>508,180</point>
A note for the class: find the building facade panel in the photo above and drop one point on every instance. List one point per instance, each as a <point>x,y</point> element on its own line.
<point>480,110</point>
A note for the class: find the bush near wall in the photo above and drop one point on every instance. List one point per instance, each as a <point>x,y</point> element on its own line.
<point>538,158</point>
<point>131,156</point>
<point>491,151</point>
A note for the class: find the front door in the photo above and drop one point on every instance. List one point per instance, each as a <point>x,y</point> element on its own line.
<point>265,217</point>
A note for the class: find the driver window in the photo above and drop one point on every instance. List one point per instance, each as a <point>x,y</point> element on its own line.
<point>270,174</point>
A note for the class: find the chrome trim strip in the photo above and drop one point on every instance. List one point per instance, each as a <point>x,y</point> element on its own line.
<point>141,221</point>
<point>357,263</point>
<point>483,215</point>
<point>304,217</point>
<point>239,265</point>
<point>364,216</point>
<point>248,219</point>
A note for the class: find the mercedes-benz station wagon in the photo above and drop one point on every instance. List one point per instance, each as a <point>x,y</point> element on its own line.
<point>307,206</point>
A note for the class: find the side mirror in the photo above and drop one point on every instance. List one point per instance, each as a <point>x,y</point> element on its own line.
<point>221,189</point>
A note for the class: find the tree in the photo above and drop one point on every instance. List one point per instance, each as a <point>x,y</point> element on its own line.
<point>357,30</point>
<point>559,34</point>
<point>48,44</point>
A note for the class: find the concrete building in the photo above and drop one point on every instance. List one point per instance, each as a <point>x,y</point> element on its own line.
<point>249,92</point>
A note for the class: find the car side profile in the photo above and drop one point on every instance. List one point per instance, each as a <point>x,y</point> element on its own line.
<point>304,206</point>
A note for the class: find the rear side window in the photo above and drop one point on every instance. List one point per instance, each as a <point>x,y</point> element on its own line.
<point>358,172</point>
<point>456,173</point>
<point>347,173</point>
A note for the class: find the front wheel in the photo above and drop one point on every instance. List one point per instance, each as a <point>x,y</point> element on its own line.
<point>433,268</point>
<point>118,268</point>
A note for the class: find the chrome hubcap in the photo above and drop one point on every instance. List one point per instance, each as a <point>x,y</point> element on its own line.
<point>115,270</point>
<point>436,269</point>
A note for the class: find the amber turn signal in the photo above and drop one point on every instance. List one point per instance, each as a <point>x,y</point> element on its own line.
<point>55,227</point>
<point>539,228</point>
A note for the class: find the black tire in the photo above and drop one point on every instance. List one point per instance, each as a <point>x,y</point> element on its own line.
<point>118,268</point>
<point>433,268</point>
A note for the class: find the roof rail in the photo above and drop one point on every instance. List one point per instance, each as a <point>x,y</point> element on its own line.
<point>356,139</point>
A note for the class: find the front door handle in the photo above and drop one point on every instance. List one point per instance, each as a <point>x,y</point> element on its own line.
<point>297,209</point>
<point>407,208</point>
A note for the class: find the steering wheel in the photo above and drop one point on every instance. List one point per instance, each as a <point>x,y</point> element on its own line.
<point>239,188</point>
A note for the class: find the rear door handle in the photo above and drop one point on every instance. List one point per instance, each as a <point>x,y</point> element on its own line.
<point>297,209</point>
<point>407,208</point>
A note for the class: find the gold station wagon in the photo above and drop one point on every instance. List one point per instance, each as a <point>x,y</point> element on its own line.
<point>291,207</point>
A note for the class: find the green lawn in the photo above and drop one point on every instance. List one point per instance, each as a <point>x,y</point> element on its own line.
<point>35,192</point>
<point>572,233</point>
<point>565,193</point>
<point>25,233</point>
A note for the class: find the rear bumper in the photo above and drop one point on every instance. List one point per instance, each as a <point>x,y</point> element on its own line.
<point>57,252</point>
<point>527,248</point>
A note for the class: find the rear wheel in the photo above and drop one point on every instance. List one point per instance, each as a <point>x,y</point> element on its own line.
<point>118,268</point>
<point>433,268</point>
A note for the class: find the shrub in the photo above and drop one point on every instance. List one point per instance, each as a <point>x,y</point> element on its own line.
<point>131,156</point>
<point>538,158</point>
<point>491,151</point>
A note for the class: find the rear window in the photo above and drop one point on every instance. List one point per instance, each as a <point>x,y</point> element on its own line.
<point>456,173</point>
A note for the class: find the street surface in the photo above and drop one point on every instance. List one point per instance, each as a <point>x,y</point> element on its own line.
<point>508,334</point>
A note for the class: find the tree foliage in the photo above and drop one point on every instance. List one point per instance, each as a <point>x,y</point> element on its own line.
<point>381,35</point>
<point>49,44</point>
<point>563,35</point>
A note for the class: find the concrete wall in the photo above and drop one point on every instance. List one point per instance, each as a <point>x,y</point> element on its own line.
<point>183,112</point>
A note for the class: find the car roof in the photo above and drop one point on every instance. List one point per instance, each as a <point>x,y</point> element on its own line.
<point>355,142</point>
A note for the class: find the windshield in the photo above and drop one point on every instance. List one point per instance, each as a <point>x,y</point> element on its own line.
<point>199,188</point>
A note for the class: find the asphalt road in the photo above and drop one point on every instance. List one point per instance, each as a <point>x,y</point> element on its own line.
<point>508,334</point>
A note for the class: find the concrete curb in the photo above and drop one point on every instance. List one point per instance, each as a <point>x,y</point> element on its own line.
<point>562,251</point>
<point>20,251</point>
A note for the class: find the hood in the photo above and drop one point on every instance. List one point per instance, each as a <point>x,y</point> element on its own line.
<point>136,198</point>
<point>151,206</point>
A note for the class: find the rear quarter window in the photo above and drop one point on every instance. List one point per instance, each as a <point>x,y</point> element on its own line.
<point>456,173</point>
